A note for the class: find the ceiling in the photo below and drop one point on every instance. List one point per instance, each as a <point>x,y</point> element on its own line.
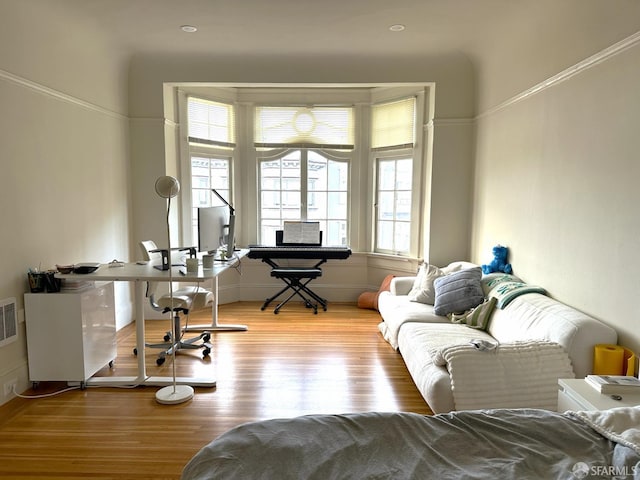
<point>301,27</point>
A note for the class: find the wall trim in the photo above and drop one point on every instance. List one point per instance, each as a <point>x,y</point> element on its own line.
<point>50,92</point>
<point>452,122</point>
<point>566,74</point>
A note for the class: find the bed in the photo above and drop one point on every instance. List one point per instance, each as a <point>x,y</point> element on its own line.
<point>481,444</point>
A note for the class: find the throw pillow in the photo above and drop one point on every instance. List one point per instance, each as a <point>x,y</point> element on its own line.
<point>506,291</point>
<point>458,291</point>
<point>476,317</point>
<point>422,290</point>
<point>370,299</point>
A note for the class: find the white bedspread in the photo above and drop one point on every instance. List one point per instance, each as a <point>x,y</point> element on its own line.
<point>521,374</point>
<point>620,425</point>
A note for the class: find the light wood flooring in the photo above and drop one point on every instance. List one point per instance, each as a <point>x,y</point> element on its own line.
<point>293,363</point>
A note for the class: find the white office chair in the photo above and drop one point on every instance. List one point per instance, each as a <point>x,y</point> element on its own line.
<point>184,299</point>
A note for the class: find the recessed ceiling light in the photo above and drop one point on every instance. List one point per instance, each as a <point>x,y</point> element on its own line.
<point>398,27</point>
<point>188,28</point>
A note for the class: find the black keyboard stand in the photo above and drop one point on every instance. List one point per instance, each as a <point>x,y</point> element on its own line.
<point>297,279</point>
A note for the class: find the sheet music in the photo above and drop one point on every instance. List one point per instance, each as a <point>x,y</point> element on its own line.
<point>301,232</point>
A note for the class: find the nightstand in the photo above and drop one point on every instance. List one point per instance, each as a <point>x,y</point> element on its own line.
<point>577,394</point>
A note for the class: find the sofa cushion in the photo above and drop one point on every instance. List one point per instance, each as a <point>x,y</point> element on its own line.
<point>458,291</point>
<point>478,317</point>
<point>505,292</point>
<point>423,290</point>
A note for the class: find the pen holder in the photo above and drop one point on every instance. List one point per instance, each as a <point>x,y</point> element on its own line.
<point>36,282</point>
<point>207,261</point>
<point>192,264</point>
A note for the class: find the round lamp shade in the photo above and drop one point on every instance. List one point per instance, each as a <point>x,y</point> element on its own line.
<point>167,186</point>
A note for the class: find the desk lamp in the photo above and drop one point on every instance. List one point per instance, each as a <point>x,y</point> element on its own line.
<point>169,187</point>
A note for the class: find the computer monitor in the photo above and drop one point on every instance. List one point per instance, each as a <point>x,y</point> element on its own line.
<point>215,227</point>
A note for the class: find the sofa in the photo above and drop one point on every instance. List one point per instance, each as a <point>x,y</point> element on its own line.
<point>513,360</point>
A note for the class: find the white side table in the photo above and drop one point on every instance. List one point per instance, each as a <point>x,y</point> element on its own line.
<point>577,394</point>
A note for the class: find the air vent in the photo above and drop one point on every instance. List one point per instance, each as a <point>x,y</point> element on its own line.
<point>8,321</point>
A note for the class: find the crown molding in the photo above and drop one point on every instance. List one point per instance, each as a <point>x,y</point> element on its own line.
<point>50,92</point>
<point>566,74</point>
<point>451,122</point>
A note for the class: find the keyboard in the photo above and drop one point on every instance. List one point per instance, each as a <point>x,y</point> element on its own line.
<point>329,253</point>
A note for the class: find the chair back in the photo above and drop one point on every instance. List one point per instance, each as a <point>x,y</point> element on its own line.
<point>154,258</point>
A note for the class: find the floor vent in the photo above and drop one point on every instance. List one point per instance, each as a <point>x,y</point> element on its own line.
<point>8,321</point>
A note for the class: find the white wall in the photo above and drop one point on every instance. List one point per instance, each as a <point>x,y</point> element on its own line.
<point>64,149</point>
<point>557,181</point>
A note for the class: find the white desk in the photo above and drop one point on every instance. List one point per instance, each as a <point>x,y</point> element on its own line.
<point>139,275</point>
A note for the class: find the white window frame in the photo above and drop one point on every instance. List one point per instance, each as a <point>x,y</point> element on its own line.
<point>400,154</point>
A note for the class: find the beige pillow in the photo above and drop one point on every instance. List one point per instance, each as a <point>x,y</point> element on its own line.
<point>423,290</point>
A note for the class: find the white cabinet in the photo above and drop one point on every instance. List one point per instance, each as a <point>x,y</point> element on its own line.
<point>70,335</point>
<point>576,394</point>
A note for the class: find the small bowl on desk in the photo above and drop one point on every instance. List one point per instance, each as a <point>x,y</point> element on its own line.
<point>65,268</point>
<point>84,268</point>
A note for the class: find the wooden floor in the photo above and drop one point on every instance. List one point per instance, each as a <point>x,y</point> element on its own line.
<point>289,364</point>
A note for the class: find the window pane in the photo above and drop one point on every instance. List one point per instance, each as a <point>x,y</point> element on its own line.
<point>403,206</point>
<point>385,206</point>
<point>337,205</point>
<point>338,176</point>
<point>404,175</point>
<point>336,232</point>
<point>386,174</point>
<point>385,235</point>
<point>317,206</point>
<point>402,236</point>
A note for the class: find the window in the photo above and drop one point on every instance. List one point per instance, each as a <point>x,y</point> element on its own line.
<point>307,177</point>
<point>304,185</point>
<point>393,205</point>
<point>211,138</point>
<point>392,142</point>
<point>208,172</point>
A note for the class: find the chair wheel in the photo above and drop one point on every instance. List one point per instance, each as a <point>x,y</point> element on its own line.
<point>167,338</point>
<point>160,361</point>
<point>206,337</point>
<point>206,352</point>
<point>135,351</point>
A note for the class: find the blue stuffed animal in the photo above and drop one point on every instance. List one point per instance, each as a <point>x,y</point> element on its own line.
<point>499,262</point>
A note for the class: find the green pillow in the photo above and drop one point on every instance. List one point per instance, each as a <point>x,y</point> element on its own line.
<point>477,317</point>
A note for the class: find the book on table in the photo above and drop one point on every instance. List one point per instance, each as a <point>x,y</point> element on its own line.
<point>614,383</point>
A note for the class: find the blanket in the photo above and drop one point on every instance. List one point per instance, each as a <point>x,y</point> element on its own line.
<point>488,444</point>
<point>520,374</point>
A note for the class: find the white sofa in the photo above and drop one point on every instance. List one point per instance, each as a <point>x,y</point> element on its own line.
<point>538,340</point>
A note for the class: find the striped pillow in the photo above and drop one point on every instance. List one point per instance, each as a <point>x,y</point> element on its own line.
<point>477,317</point>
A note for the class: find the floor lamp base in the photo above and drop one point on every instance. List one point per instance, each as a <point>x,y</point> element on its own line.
<point>174,394</point>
